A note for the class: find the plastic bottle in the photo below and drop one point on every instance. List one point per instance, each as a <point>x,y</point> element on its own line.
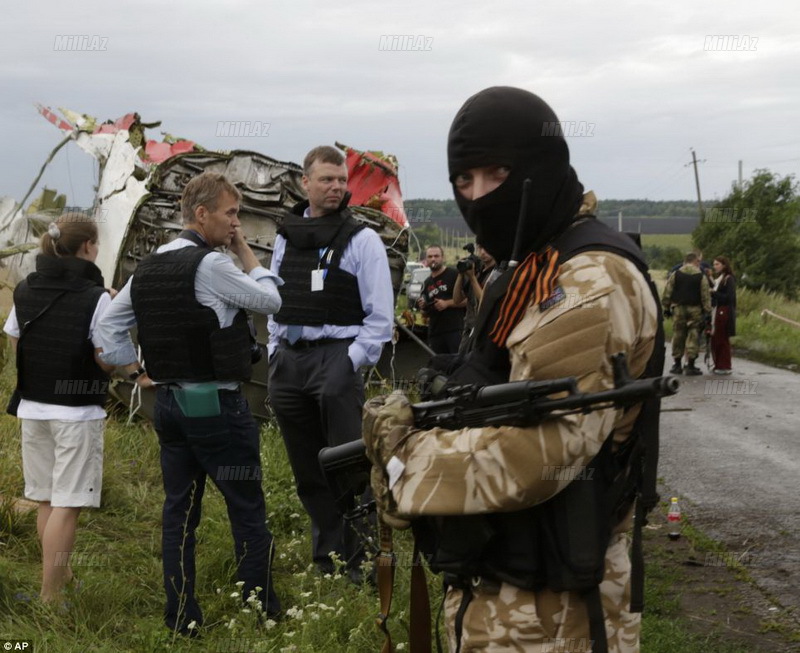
<point>674,519</point>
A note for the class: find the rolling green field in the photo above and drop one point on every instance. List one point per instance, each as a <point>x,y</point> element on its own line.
<point>681,241</point>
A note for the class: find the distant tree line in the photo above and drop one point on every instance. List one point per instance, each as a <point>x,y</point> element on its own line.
<point>434,210</point>
<point>757,226</point>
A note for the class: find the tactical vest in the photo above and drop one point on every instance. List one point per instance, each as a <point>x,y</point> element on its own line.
<point>56,356</point>
<point>686,288</point>
<point>339,301</point>
<point>560,543</point>
<point>180,338</point>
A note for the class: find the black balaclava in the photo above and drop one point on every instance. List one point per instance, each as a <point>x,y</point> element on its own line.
<point>504,126</point>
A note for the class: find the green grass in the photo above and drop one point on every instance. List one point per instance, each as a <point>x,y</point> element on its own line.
<point>120,604</point>
<point>681,241</point>
<point>668,589</point>
<point>765,338</point>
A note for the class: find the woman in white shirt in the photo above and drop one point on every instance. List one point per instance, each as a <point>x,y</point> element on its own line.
<point>63,386</point>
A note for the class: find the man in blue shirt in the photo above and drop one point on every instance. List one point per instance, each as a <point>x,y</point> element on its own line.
<point>187,302</point>
<point>338,310</point>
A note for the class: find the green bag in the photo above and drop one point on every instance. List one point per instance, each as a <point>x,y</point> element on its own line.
<point>201,400</point>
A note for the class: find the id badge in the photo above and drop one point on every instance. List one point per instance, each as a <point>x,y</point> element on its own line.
<point>317,280</point>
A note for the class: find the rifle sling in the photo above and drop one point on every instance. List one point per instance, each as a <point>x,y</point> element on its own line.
<point>420,607</point>
<point>385,573</point>
<point>637,559</point>
<point>597,620</point>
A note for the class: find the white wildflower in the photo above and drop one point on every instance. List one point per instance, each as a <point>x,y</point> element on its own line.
<point>294,612</point>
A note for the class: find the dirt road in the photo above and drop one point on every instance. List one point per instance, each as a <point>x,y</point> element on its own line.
<point>730,450</point>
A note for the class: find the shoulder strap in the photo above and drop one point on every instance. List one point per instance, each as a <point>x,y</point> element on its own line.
<point>24,327</point>
<point>188,234</point>
<point>349,228</point>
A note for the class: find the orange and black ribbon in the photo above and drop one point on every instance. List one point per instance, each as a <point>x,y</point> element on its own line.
<point>533,281</point>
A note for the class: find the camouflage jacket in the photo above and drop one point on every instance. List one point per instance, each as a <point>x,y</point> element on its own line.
<point>604,307</point>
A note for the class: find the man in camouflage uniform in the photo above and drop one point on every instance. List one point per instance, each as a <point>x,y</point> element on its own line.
<point>599,304</point>
<point>687,299</point>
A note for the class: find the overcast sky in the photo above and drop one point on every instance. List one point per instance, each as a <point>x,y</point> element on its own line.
<point>648,80</point>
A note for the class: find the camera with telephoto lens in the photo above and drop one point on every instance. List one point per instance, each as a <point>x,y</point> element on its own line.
<point>465,264</point>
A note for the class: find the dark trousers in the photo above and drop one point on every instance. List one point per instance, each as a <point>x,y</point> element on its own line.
<point>445,343</point>
<point>317,399</point>
<point>226,449</point>
<point>720,342</point>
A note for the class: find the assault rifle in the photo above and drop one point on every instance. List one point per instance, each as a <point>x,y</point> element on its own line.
<point>518,403</point>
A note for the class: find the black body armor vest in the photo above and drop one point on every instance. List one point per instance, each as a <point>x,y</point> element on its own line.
<point>56,356</point>
<point>181,339</point>
<point>686,290</point>
<point>339,302</point>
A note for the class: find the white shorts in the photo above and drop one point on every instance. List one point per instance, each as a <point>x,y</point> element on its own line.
<point>63,461</point>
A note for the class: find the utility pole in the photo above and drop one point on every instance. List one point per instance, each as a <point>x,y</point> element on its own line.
<point>740,174</point>
<point>697,183</point>
<point>619,221</point>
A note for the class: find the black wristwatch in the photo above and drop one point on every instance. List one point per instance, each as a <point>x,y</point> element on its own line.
<point>135,375</point>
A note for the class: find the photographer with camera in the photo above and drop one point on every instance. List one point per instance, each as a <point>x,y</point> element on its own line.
<point>445,315</point>
<point>473,276</point>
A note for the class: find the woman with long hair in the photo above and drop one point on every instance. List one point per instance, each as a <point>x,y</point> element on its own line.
<point>723,300</point>
<point>62,387</point>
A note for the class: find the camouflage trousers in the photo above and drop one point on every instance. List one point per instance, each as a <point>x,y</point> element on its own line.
<point>506,618</point>
<point>686,321</point>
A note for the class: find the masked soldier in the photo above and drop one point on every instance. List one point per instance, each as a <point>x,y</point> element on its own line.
<point>530,524</point>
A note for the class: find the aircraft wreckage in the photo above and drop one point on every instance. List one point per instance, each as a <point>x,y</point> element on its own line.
<point>137,209</point>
